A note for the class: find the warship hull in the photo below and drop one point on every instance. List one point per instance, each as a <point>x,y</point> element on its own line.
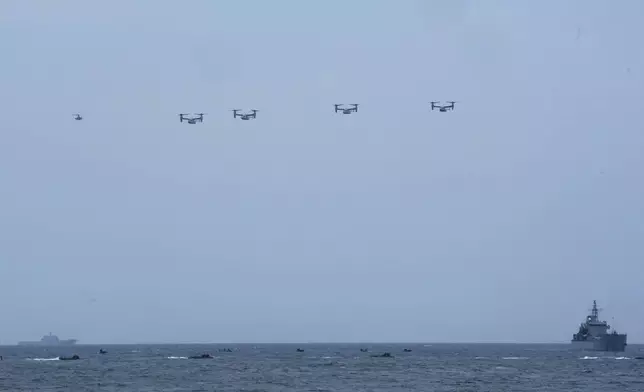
<point>613,342</point>
<point>583,344</point>
<point>608,342</point>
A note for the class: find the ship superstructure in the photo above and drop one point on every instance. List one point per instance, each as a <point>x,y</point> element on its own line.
<point>595,334</point>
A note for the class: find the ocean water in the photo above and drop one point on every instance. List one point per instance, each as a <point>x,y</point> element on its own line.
<point>323,367</point>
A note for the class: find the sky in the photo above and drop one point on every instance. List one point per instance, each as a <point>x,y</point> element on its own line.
<point>500,221</point>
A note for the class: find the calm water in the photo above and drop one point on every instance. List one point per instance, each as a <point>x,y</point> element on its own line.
<point>438,367</point>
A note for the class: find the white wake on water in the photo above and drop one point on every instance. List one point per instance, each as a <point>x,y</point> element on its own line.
<point>43,359</point>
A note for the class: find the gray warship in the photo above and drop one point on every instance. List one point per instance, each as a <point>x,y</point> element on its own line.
<point>595,334</point>
<point>49,340</point>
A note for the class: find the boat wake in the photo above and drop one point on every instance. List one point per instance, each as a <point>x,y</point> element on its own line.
<point>43,359</point>
<point>515,358</point>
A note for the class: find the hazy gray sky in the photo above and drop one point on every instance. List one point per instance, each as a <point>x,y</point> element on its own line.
<point>500,221</point>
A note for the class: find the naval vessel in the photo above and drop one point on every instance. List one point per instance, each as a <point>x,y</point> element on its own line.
<point>49,340</point>
<point>595,334</point>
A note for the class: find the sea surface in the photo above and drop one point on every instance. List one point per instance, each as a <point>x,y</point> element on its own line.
<point>323,367</point>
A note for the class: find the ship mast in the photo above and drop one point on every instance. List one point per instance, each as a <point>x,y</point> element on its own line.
<point>594,315</point>
<point>595,310</point>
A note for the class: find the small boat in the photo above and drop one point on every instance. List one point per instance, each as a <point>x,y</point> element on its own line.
<point>72,358</point>
<point>202,356</point>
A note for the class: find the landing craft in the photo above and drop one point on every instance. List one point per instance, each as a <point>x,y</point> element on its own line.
<point>191,120</point>
<point>444,108</point>
<point>244,116</point>
<point>346,110</point>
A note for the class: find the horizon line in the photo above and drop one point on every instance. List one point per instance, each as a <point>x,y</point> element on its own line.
<point>312,343</point>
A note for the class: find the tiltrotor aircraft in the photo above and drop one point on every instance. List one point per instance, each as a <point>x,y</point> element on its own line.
<point>444,108</point>
<point>244,116</point>
<point>346,110</point>
<point>191,120</point>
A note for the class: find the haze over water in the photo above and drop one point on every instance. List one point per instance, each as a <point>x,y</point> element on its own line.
<point>498,222</point>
